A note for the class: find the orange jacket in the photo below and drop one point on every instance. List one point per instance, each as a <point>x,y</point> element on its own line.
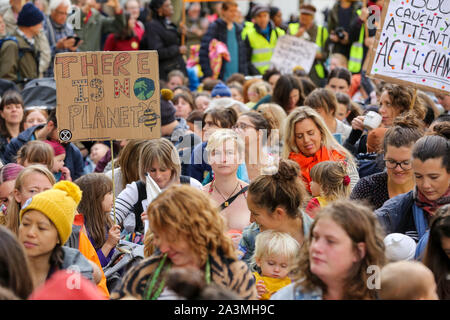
<point>86,248</point>
<point>306,163</point>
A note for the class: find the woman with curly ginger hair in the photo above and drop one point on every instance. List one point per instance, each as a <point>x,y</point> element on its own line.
<point>187,231</point>
<point>345,239</point>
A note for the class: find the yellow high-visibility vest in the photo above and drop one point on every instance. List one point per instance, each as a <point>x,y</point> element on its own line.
<point>357,52</point>
<point>248,25</point>
<point>321,38</point>
<point>263,49</point>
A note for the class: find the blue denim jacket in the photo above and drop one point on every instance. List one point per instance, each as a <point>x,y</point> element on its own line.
<point>297,292</point>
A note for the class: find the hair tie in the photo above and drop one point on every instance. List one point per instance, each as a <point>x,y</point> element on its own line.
<point>346,180</point>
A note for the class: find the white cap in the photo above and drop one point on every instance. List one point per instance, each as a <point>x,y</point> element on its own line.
<point>399,247</point>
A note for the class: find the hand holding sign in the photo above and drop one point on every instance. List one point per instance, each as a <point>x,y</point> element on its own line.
<point>413,45</point>
<point>292,52</point>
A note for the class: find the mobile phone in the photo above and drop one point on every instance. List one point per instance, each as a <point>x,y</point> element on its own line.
<point>77,39</point>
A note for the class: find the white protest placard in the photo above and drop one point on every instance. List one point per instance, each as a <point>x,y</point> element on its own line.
<point>413,44</point>
<point>107,95</point>
<point>291,52</point>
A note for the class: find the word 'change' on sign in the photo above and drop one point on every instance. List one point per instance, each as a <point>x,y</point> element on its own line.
<point>107,95</point>
<point>413,44</point>
<point>291,52</point>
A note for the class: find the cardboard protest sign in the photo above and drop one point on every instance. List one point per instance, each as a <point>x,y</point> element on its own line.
<point>291,52</point>
<point>107,95</point>
<point>413,44</point>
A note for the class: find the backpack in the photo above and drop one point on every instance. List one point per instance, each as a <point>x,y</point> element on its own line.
<point>40,92</point>
<point>126,256</point>
<point>7,38</point>
<point>22,52</point>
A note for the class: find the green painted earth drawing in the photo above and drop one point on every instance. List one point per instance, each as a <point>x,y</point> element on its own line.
<point>144,88</point>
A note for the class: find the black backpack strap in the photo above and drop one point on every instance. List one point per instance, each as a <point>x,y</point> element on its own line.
<point>185,180</point>
<point>231,199</point>
<point>137,208</point>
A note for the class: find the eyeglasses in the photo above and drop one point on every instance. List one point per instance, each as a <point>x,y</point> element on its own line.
<point>242,126</point>
<point>392,164</point>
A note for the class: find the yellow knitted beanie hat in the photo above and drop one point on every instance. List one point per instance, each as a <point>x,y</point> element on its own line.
<point>59,205</point>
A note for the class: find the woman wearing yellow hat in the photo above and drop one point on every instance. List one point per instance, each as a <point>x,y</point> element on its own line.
<point>45,225</point>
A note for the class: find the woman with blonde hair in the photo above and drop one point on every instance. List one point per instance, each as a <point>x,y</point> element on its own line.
<point>257,91</point>
<point>160,161</point>
<point>187,231</point>
<point>275,115</point>
<point>345,239</point>
<point>308,141</point>
<point>31,180</point>
<point>225,153</point>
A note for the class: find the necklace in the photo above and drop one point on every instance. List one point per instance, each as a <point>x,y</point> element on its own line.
<point>225,199</point>
<point>152,281</point>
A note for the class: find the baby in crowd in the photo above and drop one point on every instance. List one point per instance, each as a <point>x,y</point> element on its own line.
<point>275,254</point>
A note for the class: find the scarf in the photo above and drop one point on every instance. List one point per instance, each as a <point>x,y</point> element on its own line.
<point>306,163</point>
<point>430,206</point>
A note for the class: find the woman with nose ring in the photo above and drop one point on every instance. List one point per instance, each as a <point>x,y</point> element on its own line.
<point>410,213</point>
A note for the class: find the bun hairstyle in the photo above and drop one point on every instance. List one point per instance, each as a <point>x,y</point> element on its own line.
<point>405,131</point>
<point>441,129</point>
<point>284,188</point>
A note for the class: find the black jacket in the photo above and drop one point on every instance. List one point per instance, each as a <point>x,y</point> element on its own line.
<point>74,159</point>
<point>164,38</point>
<point>218,30</point>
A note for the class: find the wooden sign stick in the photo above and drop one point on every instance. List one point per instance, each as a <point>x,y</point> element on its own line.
<point>113,184</point>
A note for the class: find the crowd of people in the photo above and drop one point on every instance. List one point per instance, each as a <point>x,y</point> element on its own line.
<point>263,185</point>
